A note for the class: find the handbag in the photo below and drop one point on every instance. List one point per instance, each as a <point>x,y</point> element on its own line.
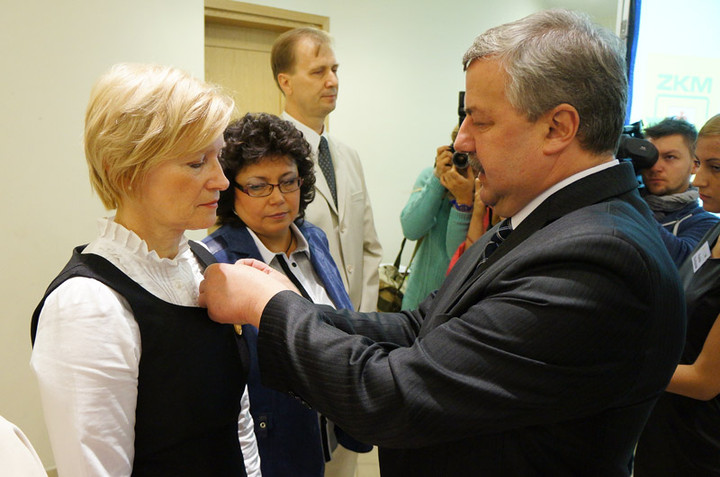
<point>392,281</point>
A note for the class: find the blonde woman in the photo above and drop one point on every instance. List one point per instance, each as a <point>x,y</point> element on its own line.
<point>682,436</point>
<point>134,378</point>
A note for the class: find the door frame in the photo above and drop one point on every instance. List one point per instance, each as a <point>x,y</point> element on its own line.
<point>261,17</point>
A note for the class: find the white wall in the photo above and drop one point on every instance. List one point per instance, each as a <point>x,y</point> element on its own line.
<point>400,74</point>
<point>52,53</point>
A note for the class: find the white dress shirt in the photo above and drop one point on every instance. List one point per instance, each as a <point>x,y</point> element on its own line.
<point>87,354</point>
<point>522,214</point>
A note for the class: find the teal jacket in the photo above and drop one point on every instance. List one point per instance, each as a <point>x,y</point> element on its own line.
<point>428,213</point>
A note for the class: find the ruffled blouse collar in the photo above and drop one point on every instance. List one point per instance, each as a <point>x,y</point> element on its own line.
<point>111,230</point>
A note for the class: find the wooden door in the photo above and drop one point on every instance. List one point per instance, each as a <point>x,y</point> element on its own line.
<point>238,39</point>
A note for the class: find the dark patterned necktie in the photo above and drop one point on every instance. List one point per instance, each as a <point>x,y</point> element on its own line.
<point>500,235</point>
<point>326,165</point>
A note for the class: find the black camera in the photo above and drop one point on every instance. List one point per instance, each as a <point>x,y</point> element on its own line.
<point>460,159</point>
<point>641,152</point>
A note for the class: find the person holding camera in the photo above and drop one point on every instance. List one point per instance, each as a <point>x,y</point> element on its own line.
<point>438,212</point>
<point>482,219</point>
<point>673,201</point>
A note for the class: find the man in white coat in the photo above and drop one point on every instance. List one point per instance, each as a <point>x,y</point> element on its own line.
<point>305,69</point>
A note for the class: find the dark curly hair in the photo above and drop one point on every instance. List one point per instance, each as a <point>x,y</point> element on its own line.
<point>253,138</point>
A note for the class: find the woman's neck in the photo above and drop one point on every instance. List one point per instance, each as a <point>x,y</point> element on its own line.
<point>164,242</point>
<point>283,243</point>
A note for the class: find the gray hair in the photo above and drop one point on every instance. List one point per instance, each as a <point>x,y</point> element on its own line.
<point>559,56</point>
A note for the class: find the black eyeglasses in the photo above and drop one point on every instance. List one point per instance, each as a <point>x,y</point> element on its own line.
<point>265,189</point>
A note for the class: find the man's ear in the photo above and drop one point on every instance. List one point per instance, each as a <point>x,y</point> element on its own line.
<point>562,122</point>
<point>285,84</point>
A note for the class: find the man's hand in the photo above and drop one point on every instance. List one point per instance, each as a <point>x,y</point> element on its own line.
<point>239,293</point>
<point>268,270</point>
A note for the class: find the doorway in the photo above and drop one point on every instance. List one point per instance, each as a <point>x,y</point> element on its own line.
<point>238,40</point>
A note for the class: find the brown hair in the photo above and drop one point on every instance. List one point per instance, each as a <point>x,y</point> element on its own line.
<point>282,56</point>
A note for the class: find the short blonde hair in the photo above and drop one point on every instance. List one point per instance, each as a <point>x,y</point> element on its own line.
<point>711,127</point>
<point>140,115</point>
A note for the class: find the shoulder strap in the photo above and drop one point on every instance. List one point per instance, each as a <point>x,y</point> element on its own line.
<point>90,266</point>
<point>203,255</point>
<point>293,278</point>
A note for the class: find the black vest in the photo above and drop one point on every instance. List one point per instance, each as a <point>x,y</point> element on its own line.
<point>191,378</point>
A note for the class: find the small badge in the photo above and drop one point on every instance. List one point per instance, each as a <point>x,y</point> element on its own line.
<point>700,257</point>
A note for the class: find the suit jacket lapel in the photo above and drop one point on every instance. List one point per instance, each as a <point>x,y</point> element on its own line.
<point>340,179</point>
<point>323,189</point>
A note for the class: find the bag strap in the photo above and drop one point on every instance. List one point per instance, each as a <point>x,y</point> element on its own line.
<point>417,246</point>
<point>407,268</point>
<point>396,264</point>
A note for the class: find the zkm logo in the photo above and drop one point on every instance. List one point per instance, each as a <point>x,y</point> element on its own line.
<point>685,84</point>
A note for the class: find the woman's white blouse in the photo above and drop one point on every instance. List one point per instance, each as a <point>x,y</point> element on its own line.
<point>87,352</point>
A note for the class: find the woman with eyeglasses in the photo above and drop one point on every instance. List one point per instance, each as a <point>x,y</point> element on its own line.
<point>261,215</point>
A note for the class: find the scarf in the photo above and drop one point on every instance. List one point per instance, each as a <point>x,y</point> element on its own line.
<point>661,205</point>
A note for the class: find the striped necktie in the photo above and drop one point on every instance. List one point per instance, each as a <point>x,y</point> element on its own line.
<point>498,237</point>
<point>326,165</point>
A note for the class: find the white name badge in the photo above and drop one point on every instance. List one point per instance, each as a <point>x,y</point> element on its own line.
<point>700,256</point>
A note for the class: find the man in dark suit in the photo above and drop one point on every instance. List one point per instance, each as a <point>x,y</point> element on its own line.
<point>542,358</point>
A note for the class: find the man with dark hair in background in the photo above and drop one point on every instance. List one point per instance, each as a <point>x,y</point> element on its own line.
<point>552,337</point>
<point>668,192</point>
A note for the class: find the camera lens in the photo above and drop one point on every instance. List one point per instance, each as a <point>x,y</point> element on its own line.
<point>460,159</point>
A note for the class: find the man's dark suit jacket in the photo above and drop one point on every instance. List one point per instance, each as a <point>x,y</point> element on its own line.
<point>545,360</point>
